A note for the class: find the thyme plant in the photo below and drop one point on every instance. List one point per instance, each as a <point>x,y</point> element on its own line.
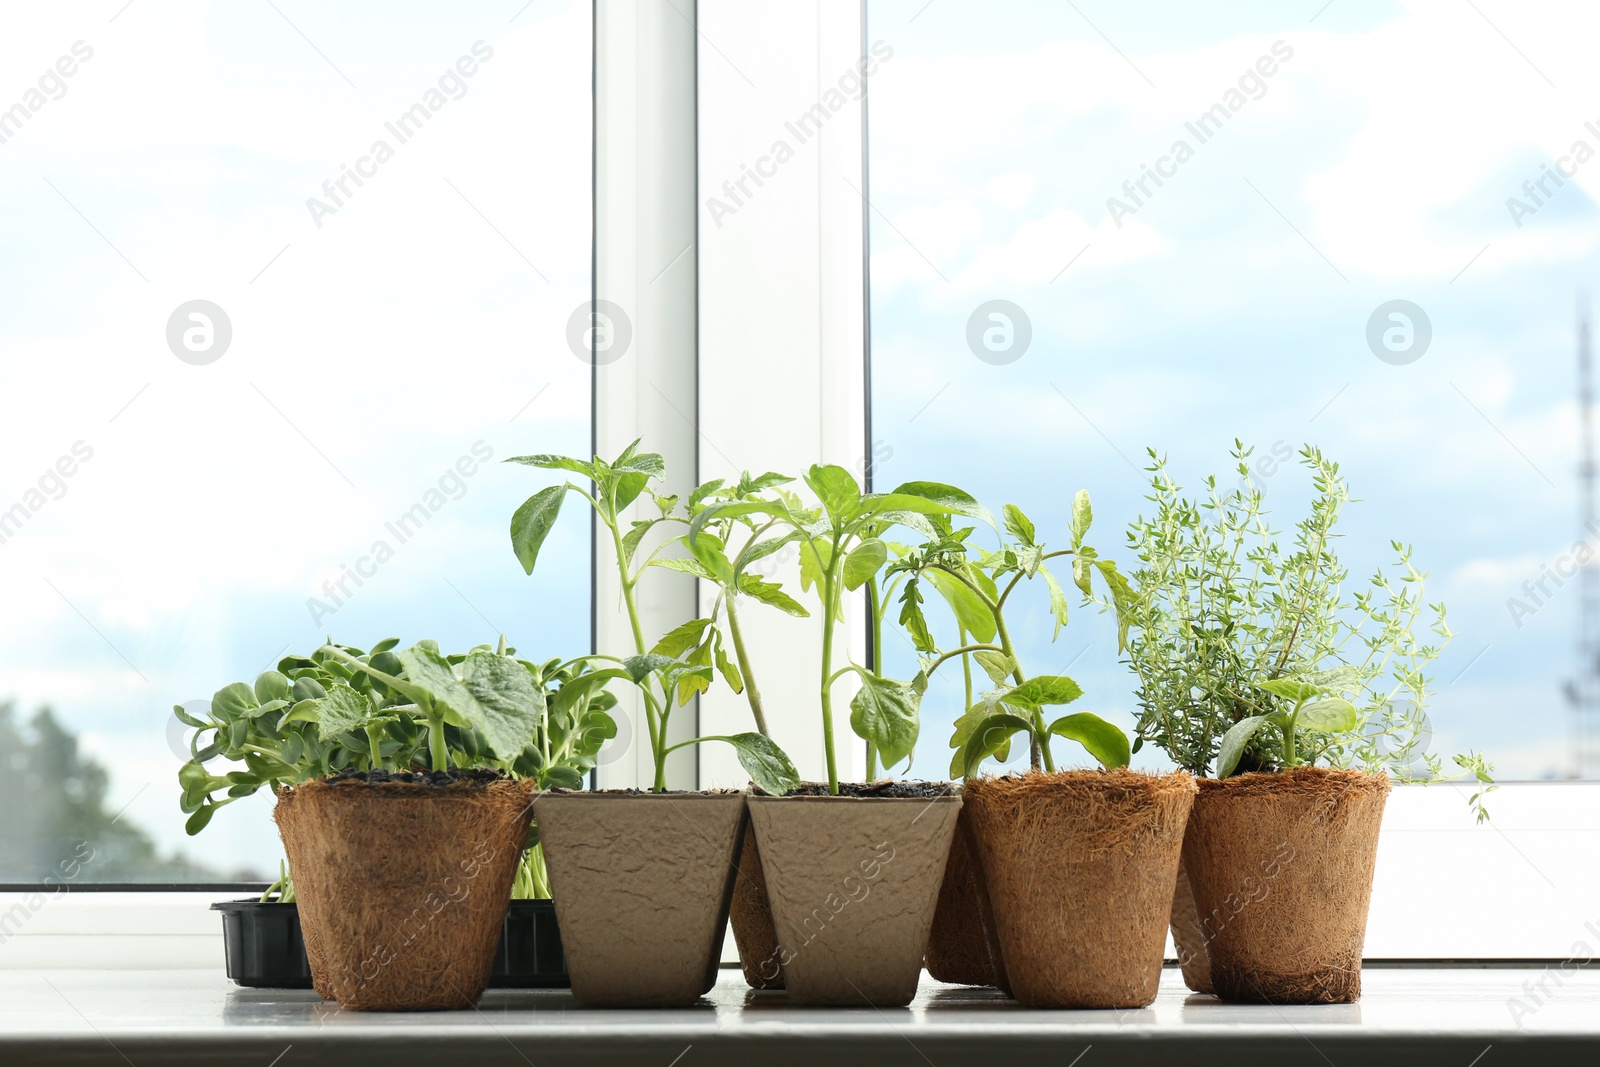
<point>1251,656</point>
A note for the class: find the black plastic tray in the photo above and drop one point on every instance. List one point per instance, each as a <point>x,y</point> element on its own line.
<point>263,947</point>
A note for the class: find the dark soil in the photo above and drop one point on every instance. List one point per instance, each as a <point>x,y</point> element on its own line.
<point>882,788</point>
<point>435,778</point>
<point>647,792</point>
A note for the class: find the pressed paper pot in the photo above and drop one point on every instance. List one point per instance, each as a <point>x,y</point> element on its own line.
<point>958,949</point>
<point>642,884</point>
<point>1281,869</point>
<point>402,885</point>
<point>853,882</point>
<point>1080,868</point>
<point>1187,936</point>
<point>751,919</point>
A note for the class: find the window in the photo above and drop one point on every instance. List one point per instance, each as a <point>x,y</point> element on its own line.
<point>282,285</point>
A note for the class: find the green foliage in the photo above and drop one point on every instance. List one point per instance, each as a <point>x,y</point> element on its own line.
<point>1235,631</point>
<point>685,661</point>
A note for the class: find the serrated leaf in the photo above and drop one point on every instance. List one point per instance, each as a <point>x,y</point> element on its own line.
<point>911,617</point>
<point>837,490</point>
<point>641,667</point>
<point>681,639</point>
<point>686,566</point>
<point>692,681</point>
<point>989,736</point>
<point>1058,601</point>
<point>885,713</point>
<point>729,670</point>
<point>1082,569</point>
<point>508,704</point>
<point>950,500</point>
<point>997,665</point>
<point>773,594</point>
<point>564,463</point>
<point>703,490</point>
<point>970,610</point>
<point>758,550</point>
<point>1044,689</point>
<point>342,710</point>
<point>1082,516</point>
<point>768,766</point>
<point>709,550</point>
<point>815,557</point>
<point>1017,524</point>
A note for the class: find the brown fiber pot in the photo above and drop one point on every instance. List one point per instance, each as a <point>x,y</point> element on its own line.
<point>853,882</point>
<point>403,887</point>
<point>1281,868</point>
<point>751,919</point>
<point>1188,938</point>
<point>958,950</point>
<point>642,884</point>
<point>1080,867</point>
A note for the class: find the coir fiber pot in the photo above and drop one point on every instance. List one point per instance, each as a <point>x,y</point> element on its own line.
<point>402,882</point>
<point>1080,867</point>
<point>853,881</point>
<point>1188,937</point>
<point>958,950</point>
<point>262,946</point>
<point>751,919</point>
<point>1281,869</point>
<point>642,884</point>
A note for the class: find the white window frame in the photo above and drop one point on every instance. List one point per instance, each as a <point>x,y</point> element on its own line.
<point>784,279</point>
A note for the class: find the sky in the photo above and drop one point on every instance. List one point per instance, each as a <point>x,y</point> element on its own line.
<point>419,324</point>
<point>420,321</point>
<point>1368,157</point>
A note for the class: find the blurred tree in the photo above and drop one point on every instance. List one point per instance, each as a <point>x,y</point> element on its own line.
<point>53,816</point>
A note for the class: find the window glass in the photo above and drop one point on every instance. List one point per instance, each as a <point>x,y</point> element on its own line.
<point>1098,228</point>
<point>281,286</point>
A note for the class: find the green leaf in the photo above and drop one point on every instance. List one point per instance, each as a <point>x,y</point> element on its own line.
<point>950,499</point>
<point>703,490</point>
<point>686,566</point>
<point>681,639</point>
<point>1334,715</point>
<point>628,488</point>
<point>233,701</point>
<point>729,670</point>
<point>711,553</point>
<point>1044,689</point>
<point>1234,742</point>
<point>641,667</point>
<point>989,736</point>
<point>884,712</point>
<point>1123,600</point>
<point>692,681</point>
<point>1342,679</point>
<point>911,617</point>
<point>768,766</point>
<point>1082,570</point>
<point>773,594</point>
<point>508,704</point>
<point>970,611</point>
<point>270,686</point>
<point>761,550</point>
<point>997,665</point>
<point>1018,525</point>
<point>864,561</point>
<point>1082,516</point>
<point>815,557</point>
<point>563,463</point>
<point>1105,742</point>
<point>649,464</point>
<point>199,819</point>
<point>1058,601</point>
<point>307,688</point>
<point>187,719</point>
<point>631,539</point>
<point>837,489</point>
<point>532,524</point>
<point>1290,689</point>
<point>965,727</point>
<point>342,710</point>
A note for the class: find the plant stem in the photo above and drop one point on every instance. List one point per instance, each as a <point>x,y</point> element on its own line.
<point>829,593</point>
<point>875,663</point>
<point>437,752</point>
<point>374,743</point>
<point>966,668</point>
<point>1038,751</point>
<point>751,693</point>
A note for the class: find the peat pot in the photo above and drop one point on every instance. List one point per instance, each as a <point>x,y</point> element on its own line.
<point>852,881</point>
<point>402,882</point>
<point>642,884</point>
<point>1079,868</point>
<point>1281,870</point>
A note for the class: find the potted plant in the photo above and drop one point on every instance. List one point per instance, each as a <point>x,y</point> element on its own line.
<point>726,554</point>
<point>1252,660</point>
<point>401,878</point>
<point>1075,868</point>
<point>852,870</point>
<point>641,875</point>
